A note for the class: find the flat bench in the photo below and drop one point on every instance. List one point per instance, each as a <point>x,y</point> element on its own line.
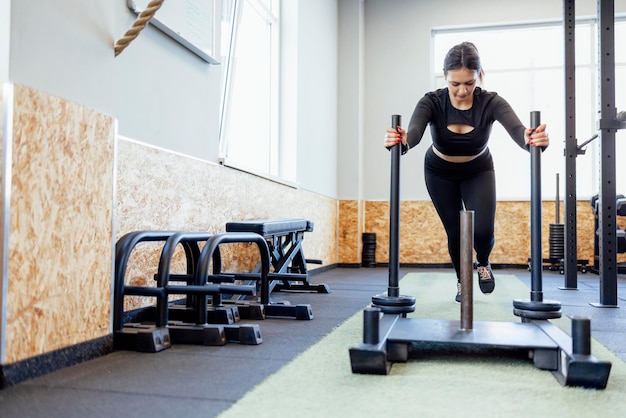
<point>284,238</point>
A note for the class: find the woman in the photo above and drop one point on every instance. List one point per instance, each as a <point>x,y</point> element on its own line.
<point>458,167</point>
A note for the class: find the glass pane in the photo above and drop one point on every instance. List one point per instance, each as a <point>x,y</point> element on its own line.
<point>248,113</point>
<point>585,42</point>
<point>620,41</point>
<point>266,3</point>
<point>586,103</point>
<point>532,78</point>
<point>620,138</point>
<point>504,49</point>
<point>226,27</point>
<point>620,87</point>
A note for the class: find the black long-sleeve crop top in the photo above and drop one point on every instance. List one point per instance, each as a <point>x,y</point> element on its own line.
<point>435,109</point>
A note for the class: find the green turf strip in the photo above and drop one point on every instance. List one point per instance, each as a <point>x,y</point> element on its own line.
<point>320,383</point>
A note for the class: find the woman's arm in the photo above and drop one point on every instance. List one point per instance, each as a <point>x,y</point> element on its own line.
<point>412,136</point>
<point>524,137</point>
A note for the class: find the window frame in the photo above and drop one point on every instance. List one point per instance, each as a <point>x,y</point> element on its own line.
<point>230,31</point>
<point>587,74</point>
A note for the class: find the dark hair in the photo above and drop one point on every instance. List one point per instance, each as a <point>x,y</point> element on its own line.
<point>463,55</point>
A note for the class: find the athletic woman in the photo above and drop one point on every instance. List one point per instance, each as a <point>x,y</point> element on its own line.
<point>458,167</point>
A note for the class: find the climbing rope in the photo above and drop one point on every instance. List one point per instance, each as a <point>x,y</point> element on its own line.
<point>142,21</point>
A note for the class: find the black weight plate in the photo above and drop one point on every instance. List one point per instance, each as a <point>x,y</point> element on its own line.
<point>384,300</point>
<point>545,305</point>
<point>537,314</point>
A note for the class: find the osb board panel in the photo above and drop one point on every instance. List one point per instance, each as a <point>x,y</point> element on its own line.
<point>350,221</point>
<point>60,225</point>
<point>161,190</point>
<point>423,240</point>
<point>513,217</point>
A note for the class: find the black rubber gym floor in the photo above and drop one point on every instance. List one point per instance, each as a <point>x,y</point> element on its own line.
<point>190,380</point>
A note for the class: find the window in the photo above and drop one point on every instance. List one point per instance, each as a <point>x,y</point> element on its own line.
<point>249,137</point>
<point>524,64</point>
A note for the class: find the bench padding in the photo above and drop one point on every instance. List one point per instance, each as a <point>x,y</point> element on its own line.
<point>270,227</point>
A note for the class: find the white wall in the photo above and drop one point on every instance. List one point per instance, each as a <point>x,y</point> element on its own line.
<point>164,94</point>
<point>398,71</point>
<point>317,96</point>
<point>64,48</point>
<point>288,123</point>
<point>5,39</point>
<point>160,92</point>
<point>350,99</point>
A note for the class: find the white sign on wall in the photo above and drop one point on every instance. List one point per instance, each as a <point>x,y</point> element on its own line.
<point>189,22</point>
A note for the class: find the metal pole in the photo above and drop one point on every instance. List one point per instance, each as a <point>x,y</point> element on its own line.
<point>371,327</point>
<point>394,214</point>
<point>392,302</point>
<point>608,125</point>
<point>536,294</point>
<point>571,149</point>
<point>536,307</point>
<point>467,251</point>
<point>557,206</point>
<point>581,335</point>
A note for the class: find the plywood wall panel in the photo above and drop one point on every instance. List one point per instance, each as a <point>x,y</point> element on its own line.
<point>161,190</point>
<point>59,271</point>
<point>350,231</point>
<point>423,240</point>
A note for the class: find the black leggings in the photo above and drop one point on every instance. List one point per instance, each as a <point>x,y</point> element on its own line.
<point>457,186</point>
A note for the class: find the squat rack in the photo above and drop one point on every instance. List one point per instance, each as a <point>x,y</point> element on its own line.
<point>608,124</point>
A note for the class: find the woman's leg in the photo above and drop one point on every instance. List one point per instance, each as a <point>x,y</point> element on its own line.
<point>479,195</point>
<point>446,197</point>
<point>471,186</point>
